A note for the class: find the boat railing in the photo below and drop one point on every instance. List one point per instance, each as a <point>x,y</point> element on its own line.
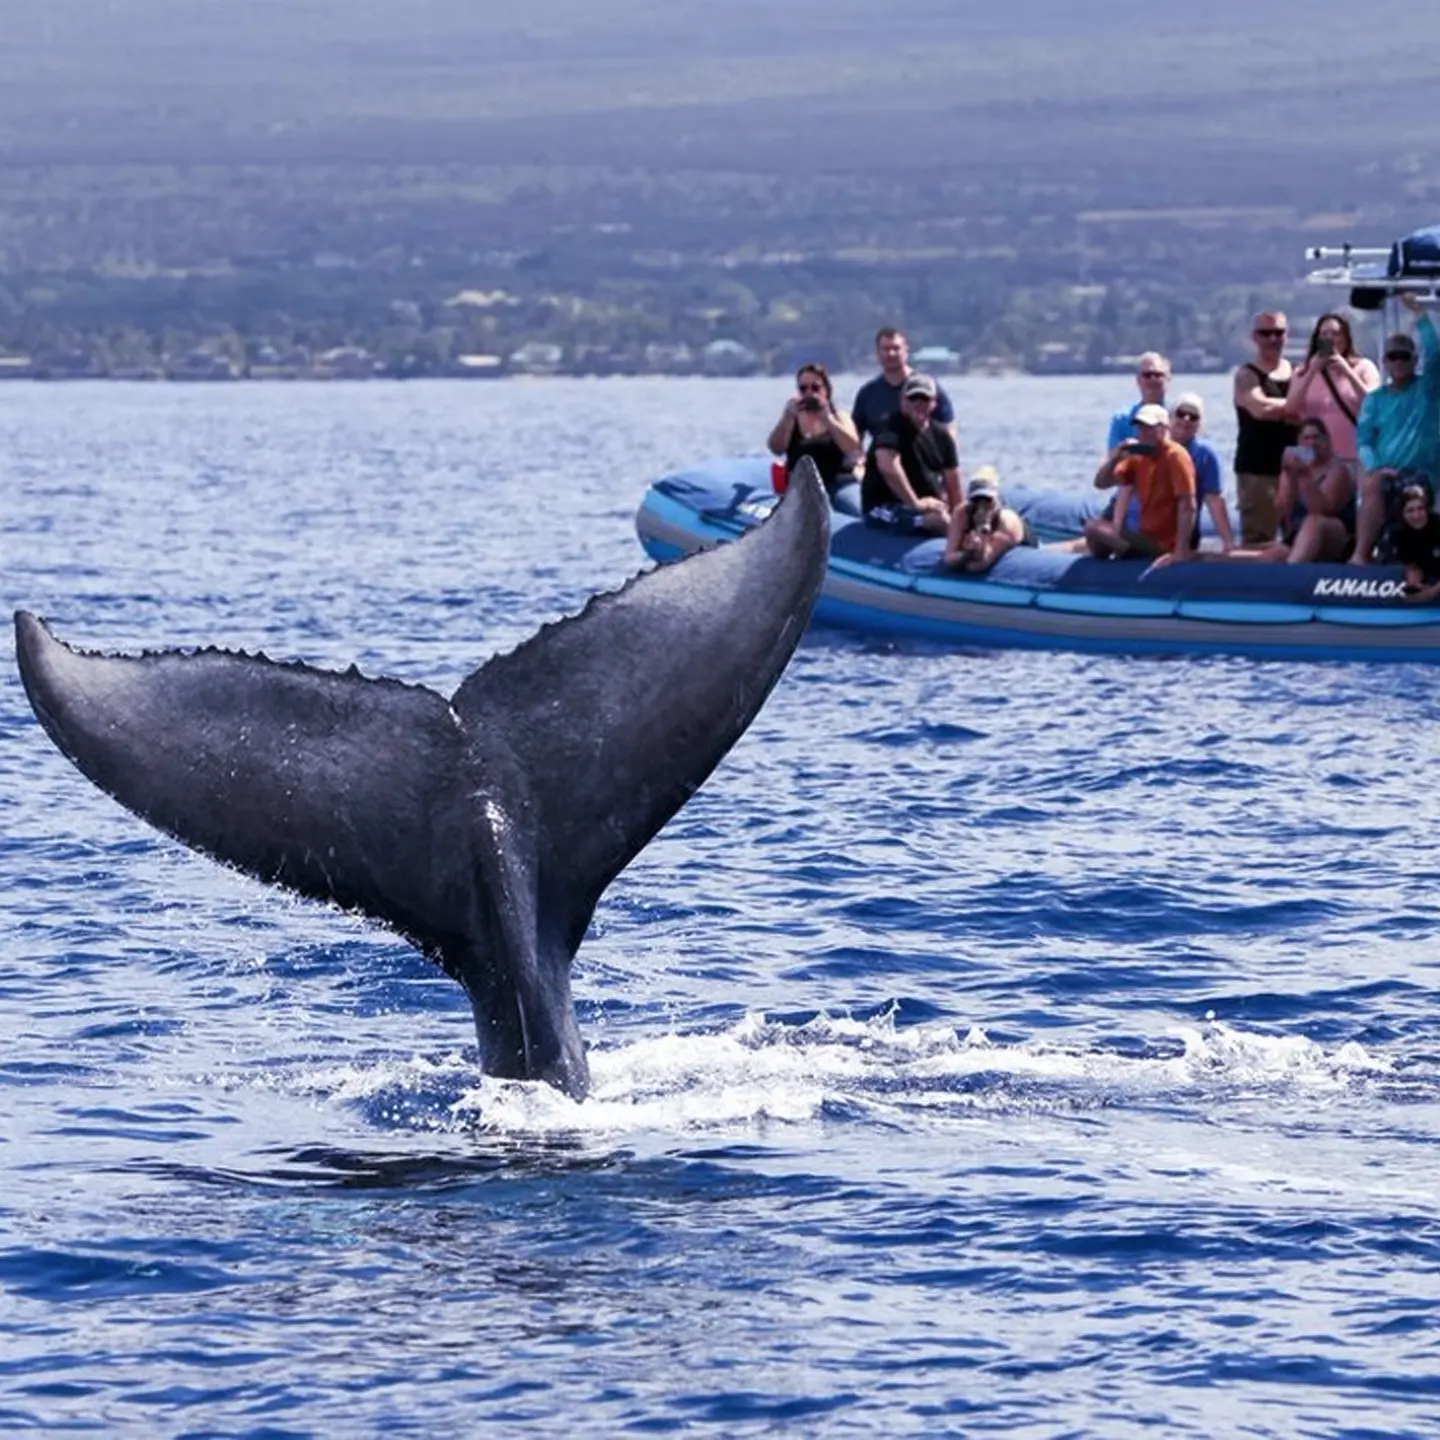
<point>1364,270</point>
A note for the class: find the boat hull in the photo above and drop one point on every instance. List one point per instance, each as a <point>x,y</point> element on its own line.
<point>1042,600</point>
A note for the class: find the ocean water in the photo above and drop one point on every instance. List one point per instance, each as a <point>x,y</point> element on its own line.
<point>997,1044</point>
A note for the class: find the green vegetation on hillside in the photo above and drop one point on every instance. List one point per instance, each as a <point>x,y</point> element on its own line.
<point>1027,185</point>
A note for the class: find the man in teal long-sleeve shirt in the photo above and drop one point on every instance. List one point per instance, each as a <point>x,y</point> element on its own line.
<point>1399,427</point>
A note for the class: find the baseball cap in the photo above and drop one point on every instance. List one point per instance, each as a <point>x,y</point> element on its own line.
<point>919,384</point>
<point>984,482</point>
<point>1150,415</point>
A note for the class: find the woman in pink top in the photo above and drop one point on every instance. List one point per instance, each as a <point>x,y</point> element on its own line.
<point>1332,383</point>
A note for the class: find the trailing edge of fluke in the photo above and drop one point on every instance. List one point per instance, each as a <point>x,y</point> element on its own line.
<point>484,828</point>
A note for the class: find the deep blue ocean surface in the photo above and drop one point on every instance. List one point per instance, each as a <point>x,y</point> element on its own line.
<point>998,1044</point>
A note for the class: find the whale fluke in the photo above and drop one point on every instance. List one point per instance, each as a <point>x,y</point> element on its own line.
<point>484,828</point>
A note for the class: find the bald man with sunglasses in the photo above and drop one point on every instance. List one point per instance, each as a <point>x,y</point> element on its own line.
<point>1264,429</point>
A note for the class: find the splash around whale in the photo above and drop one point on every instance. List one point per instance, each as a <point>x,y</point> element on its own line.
<point>484,828</point>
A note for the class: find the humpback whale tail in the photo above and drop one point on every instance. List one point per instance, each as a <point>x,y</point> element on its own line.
<point>484,828</point>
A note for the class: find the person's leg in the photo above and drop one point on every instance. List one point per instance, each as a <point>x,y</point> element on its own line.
<point>1277,552</point>
<point>1306,544</point>
<point>1138,545</point>
<point>1334,540</point>
<point>1320,537</point>
<point>1102,539</point>
<point>1259,518</point>
<point>1370,518</point>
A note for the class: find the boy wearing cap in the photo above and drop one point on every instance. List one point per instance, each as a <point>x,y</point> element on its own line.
<point>1159,471</point>
<point>1398,432</point>
<point>912,473</point>
<point>983,529</point>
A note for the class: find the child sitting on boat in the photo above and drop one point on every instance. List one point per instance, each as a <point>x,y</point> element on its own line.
<point>1417,544</point>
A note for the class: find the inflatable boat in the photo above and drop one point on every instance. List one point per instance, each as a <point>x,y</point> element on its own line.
<point>1039,598</point>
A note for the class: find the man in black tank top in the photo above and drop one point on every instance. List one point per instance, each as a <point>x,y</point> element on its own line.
<point>1263,432</point>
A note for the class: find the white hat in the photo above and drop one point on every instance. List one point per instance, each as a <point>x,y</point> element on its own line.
<point>1150,415</point>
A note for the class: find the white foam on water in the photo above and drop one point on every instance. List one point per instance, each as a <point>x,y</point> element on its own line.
<point>761,1072</point>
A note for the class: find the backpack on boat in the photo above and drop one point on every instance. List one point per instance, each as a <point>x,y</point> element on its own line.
<point>1418,254</point>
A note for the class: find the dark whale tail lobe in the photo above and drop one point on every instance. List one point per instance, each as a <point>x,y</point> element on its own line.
<point>486,828</point>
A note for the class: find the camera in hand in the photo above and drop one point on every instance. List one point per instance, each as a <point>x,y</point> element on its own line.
<point>812,403</point>
<point>1325,346</point>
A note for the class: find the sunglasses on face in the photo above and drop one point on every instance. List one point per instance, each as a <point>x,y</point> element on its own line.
<point>1400,355</point>
<point>812,389</point>
<point>1270,332</point>
<point>920,399</point>
<point>1154,375</point>
<point>1187,415</point>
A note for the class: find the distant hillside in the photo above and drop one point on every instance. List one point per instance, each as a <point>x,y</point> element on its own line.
<point>313,168</point>
<point>1238,101</point>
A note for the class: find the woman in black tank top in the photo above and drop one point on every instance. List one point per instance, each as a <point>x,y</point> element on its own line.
<point>811,425</point>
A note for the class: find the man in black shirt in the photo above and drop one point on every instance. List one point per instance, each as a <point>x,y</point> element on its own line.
<point>912,473</point>
<point>878,401</point>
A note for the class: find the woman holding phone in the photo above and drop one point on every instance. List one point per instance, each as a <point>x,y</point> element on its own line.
<point>1332,384</point>
<point>810,424</point>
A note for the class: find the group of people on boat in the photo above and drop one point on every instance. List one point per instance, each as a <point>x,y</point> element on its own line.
<point>1333,462</point>
<point>909,467</point>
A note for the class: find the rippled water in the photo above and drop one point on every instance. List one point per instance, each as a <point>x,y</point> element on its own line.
<point>1015,1044</point>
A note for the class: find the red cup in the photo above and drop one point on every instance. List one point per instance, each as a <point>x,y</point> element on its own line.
<point>779,477</point>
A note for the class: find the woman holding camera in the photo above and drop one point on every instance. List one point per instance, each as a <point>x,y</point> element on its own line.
<point>811,425</point>
<point>984,528</point>
<point>1316,503</point>
<point>1332,384</point>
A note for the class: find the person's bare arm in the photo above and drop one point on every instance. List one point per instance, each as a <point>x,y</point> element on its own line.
<point>1334,490</point>
<point>1215,504</point>
<point>1417,592</point>
<point>1108,474</point>
<point>1252,399</point>
<point>954,488</point>
<point>1305,377</point>
<point>893,473</point>
<point>780,436</point>
<point>1358,377</point>
<point>842,430</point>
<point>1121,507</point>
<point>1184,526</point>
<point>955,551</point>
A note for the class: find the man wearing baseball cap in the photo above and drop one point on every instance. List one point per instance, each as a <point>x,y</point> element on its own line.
<point>1160,473</point>
<point>1398,433</point>
<point>878,400</point>
<point>912,473</point>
